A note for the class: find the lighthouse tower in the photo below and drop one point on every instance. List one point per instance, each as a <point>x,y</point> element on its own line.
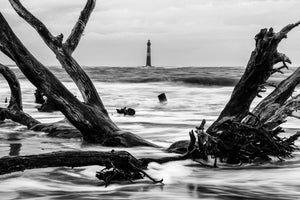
<point>148,61</point>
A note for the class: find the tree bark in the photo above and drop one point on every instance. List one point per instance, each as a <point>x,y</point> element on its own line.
<point>63,51</point>
<point>275,102</point>
<point>14,111</point>
<point>284,111</point>
<point>241,136</point>
<point>61,159</point>
<point>76,159</point>
<point>258,70</point>
<point>89,118</point>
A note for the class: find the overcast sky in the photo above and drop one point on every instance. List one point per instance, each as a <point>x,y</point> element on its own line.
<point>183,32</point>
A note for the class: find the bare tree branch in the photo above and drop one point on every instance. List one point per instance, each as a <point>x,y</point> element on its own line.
<point>14,110</point>
<point>77,31</point>
<point>275,100</point>
<point>258,70</point>
<point>284,111</point>
<point>48,38</point>
<point>94,124</point>
<point>60,159</point>
<point>62,52</point>
<point>285,30</point>
<point>16,96</point>
<point>7,53</point>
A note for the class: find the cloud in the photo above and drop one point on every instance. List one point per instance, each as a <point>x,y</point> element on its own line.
<point>184,32</point>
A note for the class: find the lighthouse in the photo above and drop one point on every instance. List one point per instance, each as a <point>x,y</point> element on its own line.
<point>148,61</point>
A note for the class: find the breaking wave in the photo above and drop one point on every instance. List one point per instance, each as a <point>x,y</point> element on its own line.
<point>218,81</point>
<point>208,76</point>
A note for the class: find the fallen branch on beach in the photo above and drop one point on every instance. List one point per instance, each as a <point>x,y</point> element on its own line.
<point>123,164</point>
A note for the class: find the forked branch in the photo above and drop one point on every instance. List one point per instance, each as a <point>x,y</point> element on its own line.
<point>63,51</point>
<point>259,68</point>
<point>41,28</point>
<point>77,31</point>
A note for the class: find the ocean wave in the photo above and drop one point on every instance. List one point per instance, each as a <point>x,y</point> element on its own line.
<point>209,81</point>
<point>218,81</point>
<point>196,76</point>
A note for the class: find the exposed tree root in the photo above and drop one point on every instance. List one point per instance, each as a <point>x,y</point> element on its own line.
<point>240,136</point>
<point>238,143</point>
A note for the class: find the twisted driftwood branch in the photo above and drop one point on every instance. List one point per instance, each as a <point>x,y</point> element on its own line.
<point>90,118</point>
<point>63,51</point>
<point>258,70</point>
<point>14,111</point>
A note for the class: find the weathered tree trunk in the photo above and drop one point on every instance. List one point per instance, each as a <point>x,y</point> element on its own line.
<point>119,165</point>
<point>90,118</point>
<point>241,136</point>
<point>14,111</point>
<point>61,159</point>
<point>276,102</point>
<point>76,159</point>
<point>254,79</point>
<point>284,111</point>
<point>63,51</point>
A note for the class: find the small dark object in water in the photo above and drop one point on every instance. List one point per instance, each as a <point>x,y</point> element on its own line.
<point>48,106</point>
<point>126,111</point>
<point>162,98</point>
<point>39,97</point>
<point>5,100</point>
<point>2,117</point>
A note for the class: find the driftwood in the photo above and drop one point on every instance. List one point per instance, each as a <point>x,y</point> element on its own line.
<point>241,136</point>
<point>46,104</point>
<point>126,111</point>
<point>90,117</point>
<point>39,97</point>
<point>240,143</point>
<point>279,104</point>
<point>119,165</point>
<point>15,112</point>
<point>259,68</point>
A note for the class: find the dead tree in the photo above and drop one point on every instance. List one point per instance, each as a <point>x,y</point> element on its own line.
<point>90,117</point>
<point>124,166</point>
<point>242,136</point>
<point>15,112</point>
<point>258,70</point>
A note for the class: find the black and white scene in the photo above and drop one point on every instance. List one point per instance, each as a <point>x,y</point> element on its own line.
<point>153,100</point>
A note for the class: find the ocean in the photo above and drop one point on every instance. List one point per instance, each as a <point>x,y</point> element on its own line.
<point>193,93</point>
